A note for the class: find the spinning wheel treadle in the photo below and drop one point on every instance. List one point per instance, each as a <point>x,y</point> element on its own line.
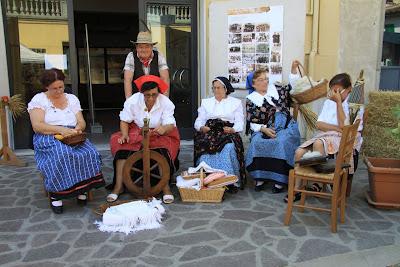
<point>152,161</point>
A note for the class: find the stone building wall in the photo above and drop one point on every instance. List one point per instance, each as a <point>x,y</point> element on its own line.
<point>360,39</point>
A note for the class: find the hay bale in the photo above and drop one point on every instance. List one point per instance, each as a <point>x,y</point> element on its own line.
<point>380,108</point>
<point>378,140</point>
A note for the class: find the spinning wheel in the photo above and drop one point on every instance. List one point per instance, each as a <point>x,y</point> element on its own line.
<point>154,165</point>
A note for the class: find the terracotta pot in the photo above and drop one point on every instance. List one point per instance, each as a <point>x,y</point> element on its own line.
<point>384,181</point>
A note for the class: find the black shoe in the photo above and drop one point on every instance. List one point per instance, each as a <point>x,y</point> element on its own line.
<point>296,198</point>
<point>56,209</point>
<point>232,189</point>
<point>82,202</point>
<point>260,187</point>
<point>276,190</point>
<point>315,187</point>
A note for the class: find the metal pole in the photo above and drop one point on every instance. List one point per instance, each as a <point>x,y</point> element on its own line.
<point>89,75</point>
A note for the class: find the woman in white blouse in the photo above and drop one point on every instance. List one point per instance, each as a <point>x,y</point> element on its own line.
<point>217,140</point>
<point>274,133</point>
<point>150,103</point>
<point>68,171</point>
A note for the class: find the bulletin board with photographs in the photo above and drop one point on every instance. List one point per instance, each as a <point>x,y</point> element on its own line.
<point>255,40</point>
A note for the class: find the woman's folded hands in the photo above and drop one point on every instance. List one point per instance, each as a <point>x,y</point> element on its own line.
<point>228,130</point>
<point>64,131</point>
<point>205,129</point>
<point>270,132</point>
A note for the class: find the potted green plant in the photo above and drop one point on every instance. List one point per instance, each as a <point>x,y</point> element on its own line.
<point>382,149</point>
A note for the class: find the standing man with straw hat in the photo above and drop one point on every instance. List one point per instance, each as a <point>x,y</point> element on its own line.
<point>144,61</point>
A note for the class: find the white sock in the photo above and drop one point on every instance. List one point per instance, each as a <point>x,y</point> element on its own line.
<point>82,197</point>
<point>57,203</point>
<point>258,183</point>
<point>278,186</point>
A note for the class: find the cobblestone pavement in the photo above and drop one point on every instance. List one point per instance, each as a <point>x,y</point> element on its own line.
<point>246,229</point>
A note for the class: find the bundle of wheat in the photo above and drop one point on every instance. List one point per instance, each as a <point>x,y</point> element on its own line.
<point>15,105</point>
<point>309,117</point>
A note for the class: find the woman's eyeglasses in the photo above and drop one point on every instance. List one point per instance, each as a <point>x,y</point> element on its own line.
<point>147,96</point>
<point>262,79</point>
<point>218,87</point>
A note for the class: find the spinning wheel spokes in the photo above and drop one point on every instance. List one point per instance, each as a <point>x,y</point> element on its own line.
<point>162,177</point>
<point>152,174</point>
<point>134,169</point>
<point>150,161</point>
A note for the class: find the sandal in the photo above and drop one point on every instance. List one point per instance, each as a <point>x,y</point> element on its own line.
<point>315,187</point>
<point>297,197</point>
<point>168,198</point>
<point>112,197</point>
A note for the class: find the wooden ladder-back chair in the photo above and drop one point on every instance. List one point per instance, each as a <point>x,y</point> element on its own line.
<point>356,156</point>
<point>357,97</point>
<point>338,179</point>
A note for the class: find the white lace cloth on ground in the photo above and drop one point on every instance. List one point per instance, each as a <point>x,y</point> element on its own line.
<point>132,217</point>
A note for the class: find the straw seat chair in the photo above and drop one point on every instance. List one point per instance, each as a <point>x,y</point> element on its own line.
<point>89,193</point>
<point>338,179</point>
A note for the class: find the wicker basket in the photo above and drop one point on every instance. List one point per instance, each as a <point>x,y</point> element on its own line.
<point>74,140</point>
<point>313,93</point>
<point>206,195</point>
<point>203,195</point>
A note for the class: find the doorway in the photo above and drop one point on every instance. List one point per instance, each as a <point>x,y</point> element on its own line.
<point>174,27</point>
<point>108,37</point>
<point>102,40</point>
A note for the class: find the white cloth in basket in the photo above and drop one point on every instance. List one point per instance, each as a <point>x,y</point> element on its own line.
<point>206,168</point>
<point>302,84</point>
<point>192,183</point>
<point>132,217</point>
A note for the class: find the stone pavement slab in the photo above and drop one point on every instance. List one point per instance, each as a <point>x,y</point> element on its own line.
<point>380,256</point>
<point>246,229</point>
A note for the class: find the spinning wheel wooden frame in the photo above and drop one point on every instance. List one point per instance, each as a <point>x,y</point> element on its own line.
<point>147,156</point>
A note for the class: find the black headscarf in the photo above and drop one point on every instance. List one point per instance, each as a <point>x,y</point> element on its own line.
<point>226,83</point>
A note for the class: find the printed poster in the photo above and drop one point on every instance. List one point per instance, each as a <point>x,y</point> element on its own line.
<point>255,38</point>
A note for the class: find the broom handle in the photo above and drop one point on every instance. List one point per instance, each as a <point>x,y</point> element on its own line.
<point>304,70</point>
<point>201,177</point>
<point>3,121</point>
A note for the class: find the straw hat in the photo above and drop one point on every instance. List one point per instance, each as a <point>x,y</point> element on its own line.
<point>144,38</point>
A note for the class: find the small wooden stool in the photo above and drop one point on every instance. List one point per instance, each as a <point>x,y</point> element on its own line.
<point>89,193</point>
